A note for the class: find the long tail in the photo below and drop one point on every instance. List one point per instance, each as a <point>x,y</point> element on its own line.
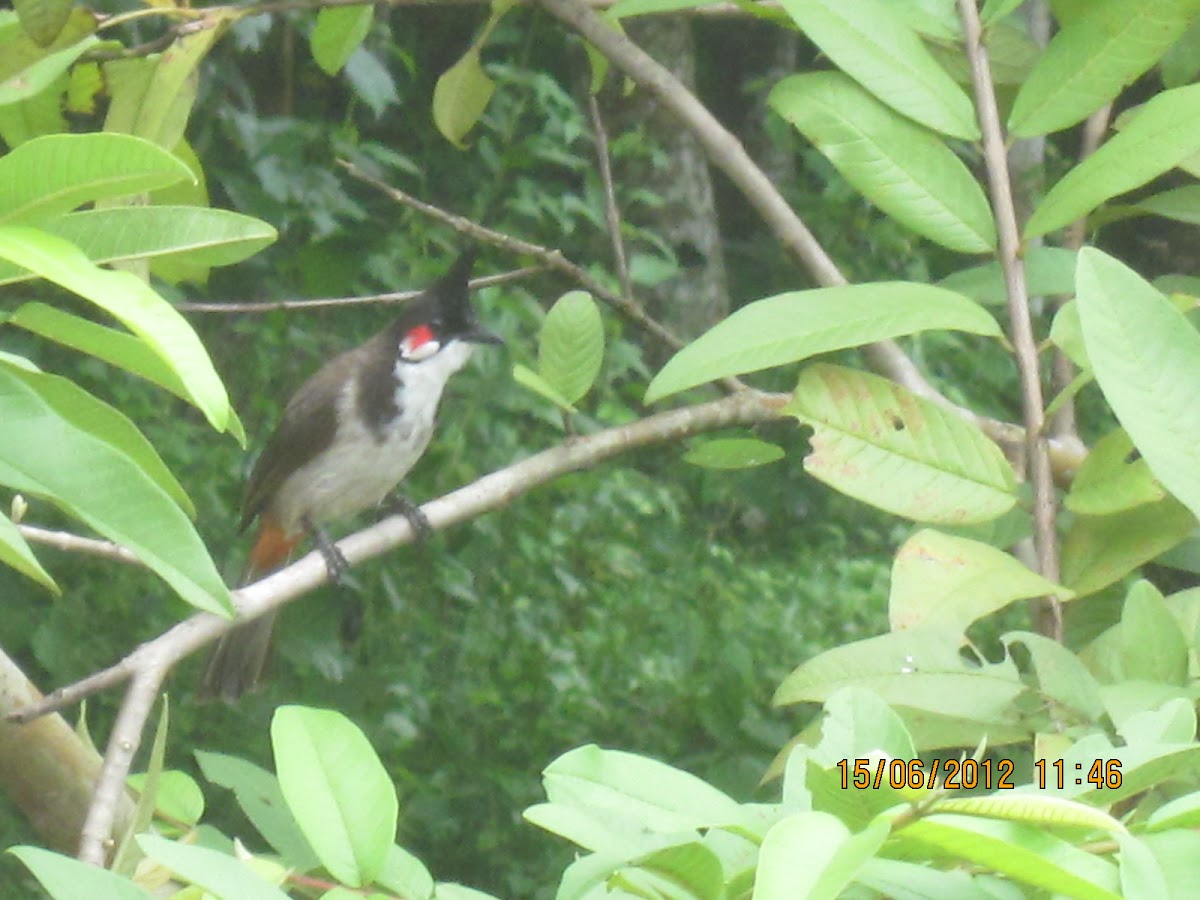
<point>236,663</point>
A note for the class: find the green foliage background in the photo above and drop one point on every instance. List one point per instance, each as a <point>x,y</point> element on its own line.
<point>618,606</point>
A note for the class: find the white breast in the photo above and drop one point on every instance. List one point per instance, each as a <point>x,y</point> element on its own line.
<point>362,466</point>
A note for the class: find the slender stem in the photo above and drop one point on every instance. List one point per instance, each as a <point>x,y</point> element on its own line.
<point>263,306</point>
<point>1063,373</point>
<point>612,212</point>
<point>1020,323</point>
<point>551,259</point>
<point>74,543</point>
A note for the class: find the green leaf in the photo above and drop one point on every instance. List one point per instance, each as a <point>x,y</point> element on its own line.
<point>919,669</point>
<point>50,175</point>
<point>449,891</point>
<point>460,96</point>
<point>405,875</point>
<point>1067,335</point>
<point>1181,204</point>
<point>1153,648</point>
<point>1048,271</point>
<point>337,789</point>
<point>1182,812</point>
<point>733,453</point>
<point>662,798</point>
<point>857,722</point>
<point>571,346</point>
<point>883,445</point>
<point>995,10</point>
<point>95,417</point>
<point>117,348</point>
<point>688,871</point>
<point>1142,878</point>
<point>371,81</point>
<point>16,553</point>
<point>1035,809</point>
<point>38,76</point>
<point>1165,132</point>
<point>530,379</point>
<point>1093,58</point>
<point>605,831</point>
<point>48,455</point>
<point>1061,675</point>
<point>898,880</point>
<point>152,97</point>
<point>952,581</point>
<point>1025,854</point>
<point>133,303</point>
<point>624,9</point>
<point>40,114</point>
<point>791,327</point>
<point>1146,357</point>
<point>1181,64</point>
<point>871,44</point>
<point>207,237</point>
<point>1112,478</point>
<point>178,795</point>
<point>1099,550</point>
<point>43,20</point>
<point>69,879</point>
<point>813,855</point>
<point>218,873</point>
<point>904,169</point>
<point>259,797</point>
<point>338,33</point>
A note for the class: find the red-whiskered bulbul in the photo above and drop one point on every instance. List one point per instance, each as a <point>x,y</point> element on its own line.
<point>347,438</point>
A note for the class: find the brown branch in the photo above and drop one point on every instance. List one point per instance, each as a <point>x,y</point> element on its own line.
<point>612,212</point>
<point>47,770</point>
<point>74,543</point>
<point>148,664</point>
<point>726,152</point>
<point>1062,424</point>
<point>551,259</point>
<point>263,306</point>
<point>996,159</point>
<point>95,838</point>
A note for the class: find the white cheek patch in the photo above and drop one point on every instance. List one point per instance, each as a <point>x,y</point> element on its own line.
<point>412,351</point>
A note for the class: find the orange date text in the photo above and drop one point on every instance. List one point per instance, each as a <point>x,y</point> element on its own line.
<point>951,774</point>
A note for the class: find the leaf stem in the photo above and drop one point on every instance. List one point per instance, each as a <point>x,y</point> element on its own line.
<point>1024,345</point>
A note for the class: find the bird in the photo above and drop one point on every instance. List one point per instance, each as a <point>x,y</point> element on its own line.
<point>346,439</point>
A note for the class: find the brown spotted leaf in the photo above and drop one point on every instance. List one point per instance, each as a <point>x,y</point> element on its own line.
<point>882,444</point>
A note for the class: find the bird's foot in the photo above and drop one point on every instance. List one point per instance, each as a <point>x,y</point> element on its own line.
<point>399,505</point>
<point>335,563</point>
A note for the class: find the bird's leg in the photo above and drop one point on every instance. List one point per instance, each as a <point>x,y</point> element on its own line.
<point>399,505</point>
<point>335,563</point>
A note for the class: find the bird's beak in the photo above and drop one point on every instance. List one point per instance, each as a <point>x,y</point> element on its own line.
<point>477,334</point>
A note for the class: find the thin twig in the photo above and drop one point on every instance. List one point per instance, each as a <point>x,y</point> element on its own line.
<point>1062,424</point>
<point>612,212</point>
<point>551,259</point>
<point>264,306</point>
<point>996,159</point>
<point>74,543</point>
<point>718,9</point>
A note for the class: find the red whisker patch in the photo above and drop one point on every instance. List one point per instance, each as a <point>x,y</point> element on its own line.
<point>422,334</point>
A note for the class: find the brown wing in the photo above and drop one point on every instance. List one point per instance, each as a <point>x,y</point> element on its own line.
<point>306,428</point>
